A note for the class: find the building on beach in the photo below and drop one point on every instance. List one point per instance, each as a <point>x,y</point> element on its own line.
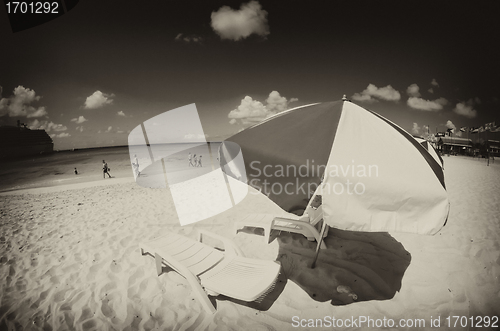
<point>16,141</point>
<point>493,147</point>
<point>454,145</point>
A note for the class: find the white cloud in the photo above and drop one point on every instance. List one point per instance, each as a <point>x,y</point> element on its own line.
<point>416,129</point>
<point>413,90</point>
<point>371,92</point>
<point>293,100</point>
<point>46,125</point>
<point>121,113</point>
<point>434,82</point>
<point>188,39</point>
<point>109,129</point>
<point>4,103</point>
<point>430,90</point>
<point>36,124</point>
<point>79,128</point>
<point>251,111</point>
<point>98,100</point>
<point>363,97</point>
<point>56,127</point>
<point>37,113</point>
<point>466,109</point>
<point>79,120</point>
<point>450,125</point>
<point>421,104</point>
<point>275,102</point>
<point>60,135</point>
<point>429,136</point>
<point>239,24</point>
<point>19,104</point>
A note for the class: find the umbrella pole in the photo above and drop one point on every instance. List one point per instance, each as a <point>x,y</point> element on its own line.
<point>323,229</point>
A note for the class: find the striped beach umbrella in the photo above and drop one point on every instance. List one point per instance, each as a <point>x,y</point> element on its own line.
<point>432,151</point>
<point>372,174</point>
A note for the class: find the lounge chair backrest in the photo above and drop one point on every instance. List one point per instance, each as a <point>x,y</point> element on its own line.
<point>315,214</point>
<point>197,257</point>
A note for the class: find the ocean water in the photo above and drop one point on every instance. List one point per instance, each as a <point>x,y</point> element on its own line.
<point>58,168</point>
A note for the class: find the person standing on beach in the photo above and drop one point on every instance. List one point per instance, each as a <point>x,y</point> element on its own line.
<point>76,172</point>
<point>190,162</point>
<point>195,159</point>
<point>105,169</point>
<point>199,161</point>
<point>136,165</point>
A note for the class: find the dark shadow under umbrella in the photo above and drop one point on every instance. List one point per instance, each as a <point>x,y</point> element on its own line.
<point>356,266</point>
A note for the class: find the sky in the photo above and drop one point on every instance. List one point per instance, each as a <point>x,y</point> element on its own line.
<point>95,73</point>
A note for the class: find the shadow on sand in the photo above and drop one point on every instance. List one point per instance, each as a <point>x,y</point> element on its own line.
<point>356,266</point>
<point>265,301</point>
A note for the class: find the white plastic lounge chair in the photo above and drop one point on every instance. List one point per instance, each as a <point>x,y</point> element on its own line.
<point>306,225</point>
<point>211,271</point>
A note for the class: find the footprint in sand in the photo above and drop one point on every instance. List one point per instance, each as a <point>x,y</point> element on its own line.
<point>86,314</point>
<point>108,287</point>
<point>21,284</point>
<point>38,321</point>
<point>126,241</point>
<point>106,309</point>
<point>348,290</point>
<point>115,267</point>
<point>137,274</point>
<point>60,295</point>
<point>41,299</point>
<point>94,270</point>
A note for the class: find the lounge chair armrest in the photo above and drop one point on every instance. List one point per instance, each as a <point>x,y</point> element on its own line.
<point>229,246</point>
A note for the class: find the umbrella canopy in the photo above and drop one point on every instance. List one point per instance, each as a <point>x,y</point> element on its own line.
<point>372,174</point>
<point>432,151</point>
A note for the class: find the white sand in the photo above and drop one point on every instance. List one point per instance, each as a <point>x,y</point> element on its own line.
<point>69,259</point>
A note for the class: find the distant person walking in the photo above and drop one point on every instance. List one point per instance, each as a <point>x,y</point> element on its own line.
<point>190,161</point>
<point>136,166</point>
<point>199,161</point>
<point>76,172</point>
<point>195,160</point>
<point>105,169</point>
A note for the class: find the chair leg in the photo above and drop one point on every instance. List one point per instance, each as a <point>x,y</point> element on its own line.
<point>195,285</point>
<point>267,233</point>
<point>200,294</point>
<point>311,230</point>
<point>158,262</point>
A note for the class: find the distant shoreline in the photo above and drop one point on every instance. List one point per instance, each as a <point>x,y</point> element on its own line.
<point>187,143</point>
<point>58,168</point>
<point>26,157</point>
